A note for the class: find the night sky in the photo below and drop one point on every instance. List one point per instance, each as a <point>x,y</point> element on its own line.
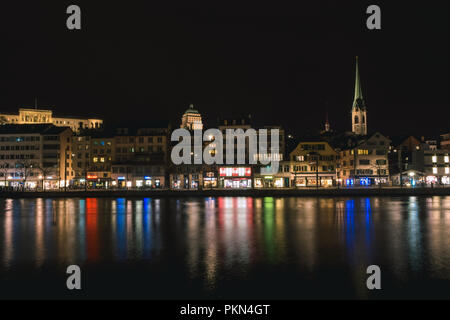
<point>282,62</point>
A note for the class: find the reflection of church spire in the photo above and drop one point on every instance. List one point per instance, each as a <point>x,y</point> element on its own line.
<point>358,101</point>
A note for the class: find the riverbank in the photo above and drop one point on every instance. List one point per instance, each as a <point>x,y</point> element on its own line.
<point>328,192</point>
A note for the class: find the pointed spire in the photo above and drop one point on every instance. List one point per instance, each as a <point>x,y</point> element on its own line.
<point>358,101</point>
<point>327,123</point>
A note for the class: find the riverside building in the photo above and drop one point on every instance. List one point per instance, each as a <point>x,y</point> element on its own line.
<point>313,163</point>
<point>141,157</point>
<point>366,162</point>
<point>35,156</point>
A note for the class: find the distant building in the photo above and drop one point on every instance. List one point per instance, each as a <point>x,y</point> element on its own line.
<point>241,175</point>
<point>35,156</point>
<point>93,155</point>
<point>365,162</point>
<point>141,157</point>
<point>191,119</point>
<point>445,142</point>
<point>313,163</point>
<point>436,166</point>
<point>405,160</point>
<point>359,113</point>
<point>39,116</point>
<point>419,162</point>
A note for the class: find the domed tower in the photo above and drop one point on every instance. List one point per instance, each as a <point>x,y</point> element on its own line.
<point>359,113</point>
<point>191,119</point>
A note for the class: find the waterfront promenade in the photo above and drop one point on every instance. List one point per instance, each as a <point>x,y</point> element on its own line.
<point>282,192</point>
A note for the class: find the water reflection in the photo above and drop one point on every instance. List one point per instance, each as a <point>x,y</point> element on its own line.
<point>215,239</point>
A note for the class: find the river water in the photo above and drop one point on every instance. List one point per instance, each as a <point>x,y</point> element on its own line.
<point>226,248</point>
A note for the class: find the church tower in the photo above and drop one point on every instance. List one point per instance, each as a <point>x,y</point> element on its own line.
<point>327,123</point>
<point>359,117</point>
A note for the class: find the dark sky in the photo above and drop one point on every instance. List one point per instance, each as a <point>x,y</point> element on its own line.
<point>282,62</point>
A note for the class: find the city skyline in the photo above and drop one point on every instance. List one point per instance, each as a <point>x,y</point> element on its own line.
<point>224,156</point>
<point>158,60</point>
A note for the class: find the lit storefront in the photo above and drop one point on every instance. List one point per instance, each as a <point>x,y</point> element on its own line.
<point>195,181</point>
<point>364,181</point>
<point>235,177</point>
<point>140,176</point>
<point>270,182</point>
<point>177,181</point>
<point>148,182</point>
<point>185,181</point>
<point>145,182</point>
<point>311,181</point>
<point>98,180</point>
<point>209,180</point>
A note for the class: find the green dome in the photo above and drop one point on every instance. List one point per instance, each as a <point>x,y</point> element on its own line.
<point>191,110</point>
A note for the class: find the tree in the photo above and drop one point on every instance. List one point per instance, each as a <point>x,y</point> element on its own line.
<point>45,172</point>
<point>4,170</point>
<point>26,167</point>
<point>378,166</point>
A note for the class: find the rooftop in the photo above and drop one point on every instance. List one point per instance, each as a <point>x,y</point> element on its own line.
<point>191,110</point>
<point>31,129</point>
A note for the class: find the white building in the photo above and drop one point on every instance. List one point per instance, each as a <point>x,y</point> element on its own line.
<point>191,119</point>
<point>437,166</point>
<point>35,156</point>
<point>40,116</point>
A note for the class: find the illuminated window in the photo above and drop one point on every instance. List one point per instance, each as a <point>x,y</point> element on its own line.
<point>102,159</point>
<point>434,159</point>
<point>446,159</point>
<point>363,152</point>
<point>447,170</point>
<point>435,170</point>
<point>95,159</point>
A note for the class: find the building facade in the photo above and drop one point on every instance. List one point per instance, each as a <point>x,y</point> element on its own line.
<point>313,164</point>
<point>37,156</point>
<point>366,163</point>
<point>436,166</point>
<point>41,116</point>
<point>445,141</point>
<point>93,155</point>
<point>141,157</point>
<point>191,119</point>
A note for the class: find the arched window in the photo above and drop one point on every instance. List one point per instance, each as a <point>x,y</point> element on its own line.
<point>363,119</point>
<point>356,119</point>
